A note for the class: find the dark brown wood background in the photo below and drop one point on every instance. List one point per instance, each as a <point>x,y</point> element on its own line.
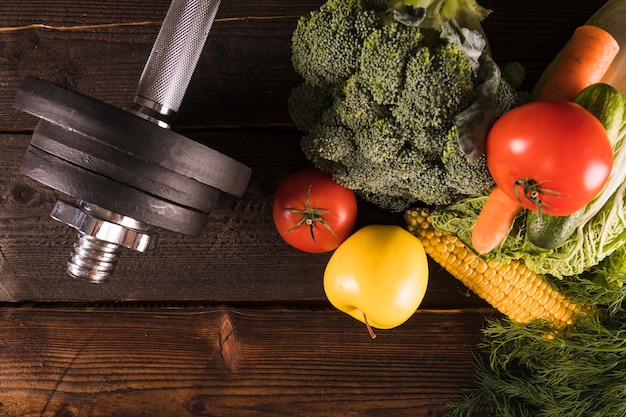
<point>234,323</point>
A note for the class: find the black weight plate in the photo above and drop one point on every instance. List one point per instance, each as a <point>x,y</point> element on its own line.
<point>111,195</point>
<point>131,134</point>
<point>109,162</point>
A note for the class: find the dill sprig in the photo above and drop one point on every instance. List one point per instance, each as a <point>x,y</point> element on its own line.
<point>537,370</point>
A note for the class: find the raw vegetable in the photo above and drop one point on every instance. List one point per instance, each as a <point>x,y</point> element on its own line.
<point>378,276</point>
<point>535,369</point>
<point>510,287</point>
<point>611,17</point>
<point>312,212</point>
<point>596,237</point>
<point>601,228</point>
<point>606,104</point>
<point>550,156</point>
<point>494,220</point>
<point>548,231</point>
<point>583,61</point>
<point>538,369</point>
<point>386,104</point>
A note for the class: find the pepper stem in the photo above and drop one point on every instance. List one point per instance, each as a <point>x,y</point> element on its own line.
<point>369,328</point>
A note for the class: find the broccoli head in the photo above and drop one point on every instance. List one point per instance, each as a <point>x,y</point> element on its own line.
<point>383,84</point>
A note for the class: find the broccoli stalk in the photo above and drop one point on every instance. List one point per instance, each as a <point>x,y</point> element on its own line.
<point>385,85</point>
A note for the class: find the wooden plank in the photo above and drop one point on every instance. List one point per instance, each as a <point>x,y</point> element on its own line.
<point>230,362</point>
<point>240,257</point>
<point>244,76</point>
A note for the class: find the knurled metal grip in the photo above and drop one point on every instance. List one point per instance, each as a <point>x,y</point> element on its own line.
<point>174,56</point>
<point>127,169</point>
<point>176,52</point>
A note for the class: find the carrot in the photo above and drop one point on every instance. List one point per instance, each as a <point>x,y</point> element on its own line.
<point>494,220</point>
<point>583,61</point>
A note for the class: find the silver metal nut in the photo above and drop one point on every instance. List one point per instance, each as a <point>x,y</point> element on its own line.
<point>105,226</point>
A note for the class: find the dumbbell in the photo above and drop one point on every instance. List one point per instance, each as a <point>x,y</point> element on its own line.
<point>129,172</point>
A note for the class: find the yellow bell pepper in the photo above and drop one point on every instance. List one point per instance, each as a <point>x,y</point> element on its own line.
<point>379,276</point>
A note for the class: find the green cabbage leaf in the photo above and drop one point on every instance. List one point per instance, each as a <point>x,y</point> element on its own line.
<point>595,239</point>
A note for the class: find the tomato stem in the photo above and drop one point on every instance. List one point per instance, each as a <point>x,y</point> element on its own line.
<point>310,216</point>
<point>534,192</point>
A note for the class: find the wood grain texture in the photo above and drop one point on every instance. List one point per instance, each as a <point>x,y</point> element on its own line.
<point>230,362</point>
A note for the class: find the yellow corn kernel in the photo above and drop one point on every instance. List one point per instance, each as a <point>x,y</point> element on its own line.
<point>511,287</point>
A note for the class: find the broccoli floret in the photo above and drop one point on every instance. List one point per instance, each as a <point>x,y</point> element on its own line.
<point>307,103</point>
<point>438,85</point>
<point>509,97</point>
<point>384,56</point>
<point>514,74</point>
<point>384,83</point>
<point>356,106</point>
<point>326,45</point>
<point>510,94</point>
<point>433,187</point>
<point>379,142</point>
<point>463,176</point>
<point>426,139</point>
<point>328,140</point>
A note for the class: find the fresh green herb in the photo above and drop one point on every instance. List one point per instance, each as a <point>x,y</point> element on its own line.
<point>535,370</point>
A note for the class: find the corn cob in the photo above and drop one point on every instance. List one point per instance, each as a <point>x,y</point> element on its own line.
<point>511,288</point>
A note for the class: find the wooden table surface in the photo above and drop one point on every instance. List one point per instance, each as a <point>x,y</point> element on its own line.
<point>235,322</point>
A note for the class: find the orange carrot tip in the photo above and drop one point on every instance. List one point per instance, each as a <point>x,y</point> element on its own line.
<point>494,221</point>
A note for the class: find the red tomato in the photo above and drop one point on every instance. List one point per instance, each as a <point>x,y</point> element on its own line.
<point>552,156</point>
<point>312,212</point>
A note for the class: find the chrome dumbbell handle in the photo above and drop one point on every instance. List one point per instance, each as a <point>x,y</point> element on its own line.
<point>173,59</point>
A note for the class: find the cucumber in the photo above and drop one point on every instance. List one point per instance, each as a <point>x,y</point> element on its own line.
<point>607,104</point>
<point>547,231</point>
